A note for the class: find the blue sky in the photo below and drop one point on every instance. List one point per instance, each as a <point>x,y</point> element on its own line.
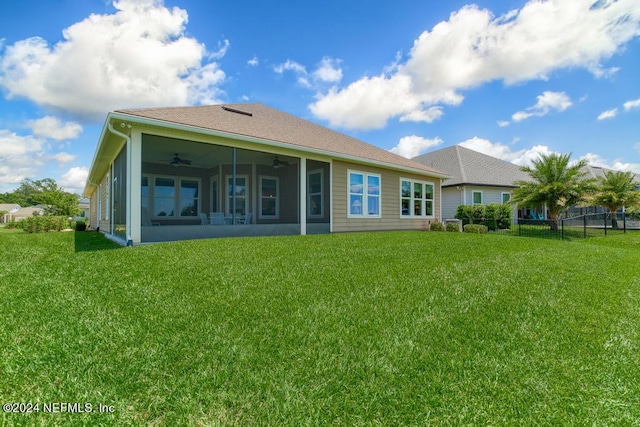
<point>508,78</point>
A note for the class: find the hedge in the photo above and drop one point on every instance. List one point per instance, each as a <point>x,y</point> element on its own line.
<point>493,216</point>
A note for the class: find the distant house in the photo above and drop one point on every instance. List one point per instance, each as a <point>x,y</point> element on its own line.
<point>28,212</point>
<point>8,210</point>
<point>163,174</point>
<point>595,172</point>
<point>476,179</point>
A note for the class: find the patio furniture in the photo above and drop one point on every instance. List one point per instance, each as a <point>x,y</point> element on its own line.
<point>203,219</point>
<point>244,220</point>
<point>217,218</point>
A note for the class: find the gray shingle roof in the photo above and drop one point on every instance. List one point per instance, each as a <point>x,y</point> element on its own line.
<point>266,123</point>
<point>468,167</point>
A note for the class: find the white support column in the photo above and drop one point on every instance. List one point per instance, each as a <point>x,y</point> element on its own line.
<point>134,187</point>
<point>303,196</point>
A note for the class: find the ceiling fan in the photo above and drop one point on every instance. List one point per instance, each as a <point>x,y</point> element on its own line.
<point>177,161</point>
<point>277,163</point>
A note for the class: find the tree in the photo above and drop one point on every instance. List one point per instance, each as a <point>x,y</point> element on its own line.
<point>555,184</point>
<point>614,191</point>
<point>47,193</point>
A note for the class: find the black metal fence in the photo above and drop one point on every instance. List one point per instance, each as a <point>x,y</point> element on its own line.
<point>577,227</point>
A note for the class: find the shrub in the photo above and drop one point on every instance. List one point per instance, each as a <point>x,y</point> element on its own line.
<point>81,225</point>
<point>476,228</point>
<point>436,226</point>
<point>12,225</point>
<point>453,227</point>
<point>39,224</point>
<point>494,216</point>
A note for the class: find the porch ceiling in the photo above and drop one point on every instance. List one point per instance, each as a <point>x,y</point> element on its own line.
<point>161,150</point>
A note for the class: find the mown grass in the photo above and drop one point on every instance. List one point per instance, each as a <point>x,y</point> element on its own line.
<point>407,328</point>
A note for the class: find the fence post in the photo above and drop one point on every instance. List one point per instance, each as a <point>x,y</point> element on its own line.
<point>584,226</point>
<point>605,224</point>
<point>624,222</point>
<point>562,228</point>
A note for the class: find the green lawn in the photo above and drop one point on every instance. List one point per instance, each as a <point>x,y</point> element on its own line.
<point>408,328</point>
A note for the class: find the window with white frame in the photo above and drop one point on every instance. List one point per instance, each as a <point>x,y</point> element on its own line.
<point>176,197</point>
<point>416,198</point>
<point>364,194</point>
<point>269,195</point>
<point>476,197</point>
<point>314,194</point>
<point>239,192</point>
<point>506,197</point>
<point>188,198</point>
<point>164,196</point>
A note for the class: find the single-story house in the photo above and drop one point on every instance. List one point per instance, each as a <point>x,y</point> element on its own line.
<point>28,212</point>
<point>476,179</point>
<point>8,210</point>
<point>161,174</point>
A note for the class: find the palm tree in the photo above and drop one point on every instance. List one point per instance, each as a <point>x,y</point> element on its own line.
<point>555,184</point>
<point>615,190</point>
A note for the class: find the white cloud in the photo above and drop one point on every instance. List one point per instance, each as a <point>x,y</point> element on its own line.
<point>298,69</point>
<point>63,158</point>
<point>429,115</point>
<point>503,123</point>
<point>20,158</point>
<point>473,47</point>
<point>495,149</point>
<point>139,55</point>
<point>52,128</point>
<point>609,114</point>
<point>548,101</point>
<point>412,146</point>
<point>74,179</point>
<point>328,71</point>
<point>631,104</point>
<point>597,160</point>
<point>253,62</point>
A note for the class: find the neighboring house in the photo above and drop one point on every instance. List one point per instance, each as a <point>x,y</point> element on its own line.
<point>159,173</point>
<point>84,206</point>
<point>476,179</point>
<point>23,213</point>
<point>595,172</point>
<point>8,209</point>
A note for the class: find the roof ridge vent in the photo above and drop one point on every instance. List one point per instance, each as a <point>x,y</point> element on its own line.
<point>233,110</point>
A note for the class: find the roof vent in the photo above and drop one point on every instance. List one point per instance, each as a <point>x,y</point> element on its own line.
<point>233,110</point>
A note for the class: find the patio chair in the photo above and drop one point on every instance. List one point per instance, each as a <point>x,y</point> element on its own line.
<point>246,220</point>
<point>203,219</point>
<point>217,218</point>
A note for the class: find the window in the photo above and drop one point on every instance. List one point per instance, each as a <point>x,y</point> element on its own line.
<point>240,195</point>
<point>314,194</point>
<point>506,197</point>
<point>269,206</point>
<point>164,199</point>
<point>188,197</point>
<point>416,198</point>
<point>477,197</point>
<point>174,197</point>
<point>364,195</point>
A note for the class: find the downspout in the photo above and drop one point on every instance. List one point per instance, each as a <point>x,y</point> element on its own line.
<point>127,138</point>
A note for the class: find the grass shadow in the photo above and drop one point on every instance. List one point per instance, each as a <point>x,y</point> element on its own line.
<point>90,241</point>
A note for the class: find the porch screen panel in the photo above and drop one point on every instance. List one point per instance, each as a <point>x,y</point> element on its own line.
<point>119,195</point>
<point>164,198</point>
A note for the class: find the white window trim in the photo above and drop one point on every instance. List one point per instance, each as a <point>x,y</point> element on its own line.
<point>227,196</point>
<point>473,193</point>
<point>365,195</point>
<point>321,193</point>
<point>424,199</point>
<point>177,180</point>
<point>261,197</point>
